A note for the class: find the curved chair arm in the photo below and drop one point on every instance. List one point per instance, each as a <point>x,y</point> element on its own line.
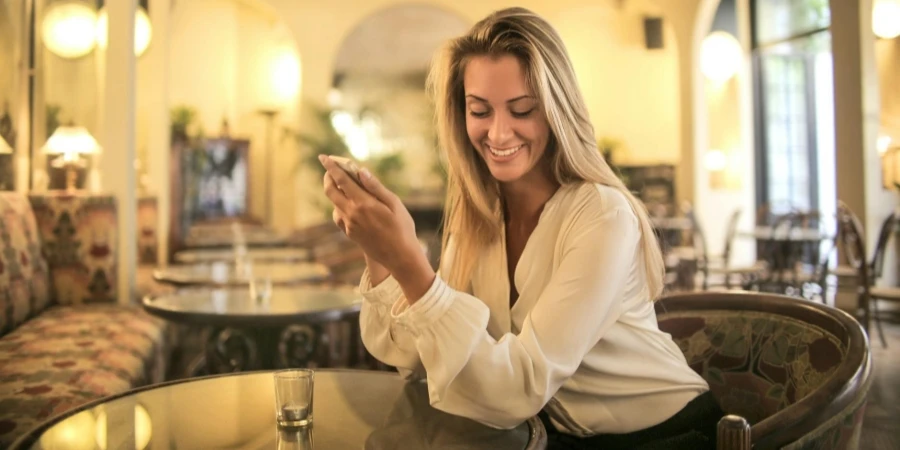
<point>733,433</point>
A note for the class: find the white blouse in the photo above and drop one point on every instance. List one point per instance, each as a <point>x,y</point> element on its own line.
<point>581,341</point>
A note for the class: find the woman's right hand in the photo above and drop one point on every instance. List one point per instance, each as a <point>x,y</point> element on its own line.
<point>377,272</point>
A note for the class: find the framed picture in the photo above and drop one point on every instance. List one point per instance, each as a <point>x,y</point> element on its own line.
<point>216,179</point>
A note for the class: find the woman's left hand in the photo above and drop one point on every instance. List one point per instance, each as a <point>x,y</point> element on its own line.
<point>376,219</point>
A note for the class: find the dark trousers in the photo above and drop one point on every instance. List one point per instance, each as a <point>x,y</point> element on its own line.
<point>692,428</point>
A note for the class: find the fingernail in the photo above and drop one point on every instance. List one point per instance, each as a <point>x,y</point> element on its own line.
<point>322,159</point>
<point>365,173</point>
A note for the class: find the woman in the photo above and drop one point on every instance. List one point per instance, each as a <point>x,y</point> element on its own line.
<point>544,301</point>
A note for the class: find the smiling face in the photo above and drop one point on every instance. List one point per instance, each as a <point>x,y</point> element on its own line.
<point>504,119</point>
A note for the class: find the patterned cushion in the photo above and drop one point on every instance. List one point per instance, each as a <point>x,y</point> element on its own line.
<point>24,283</point>
<point>79,236</point>
<point>756,364</point>
<point>71,355</point>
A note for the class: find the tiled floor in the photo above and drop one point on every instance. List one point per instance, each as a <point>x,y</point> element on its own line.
<point>881,428</point>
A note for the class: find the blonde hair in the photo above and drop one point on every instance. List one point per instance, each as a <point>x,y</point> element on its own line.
<point>472,208</point>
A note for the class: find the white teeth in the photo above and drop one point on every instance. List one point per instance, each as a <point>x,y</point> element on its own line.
<point>505,152</point>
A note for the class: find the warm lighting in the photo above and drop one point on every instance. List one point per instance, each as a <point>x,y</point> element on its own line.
<point>143,428</point>
<point>71,142</point>
<point>720,56</point>
<point>5,149</point>
<point>883,143</point>
<point>68,29</point>
<point>715,160</point>
<point>143,31</point>
<point>285,73</point>
<point>74,433</point>
<point>886,18</point>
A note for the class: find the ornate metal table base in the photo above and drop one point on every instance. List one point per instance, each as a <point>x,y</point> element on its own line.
<point>331,344</point>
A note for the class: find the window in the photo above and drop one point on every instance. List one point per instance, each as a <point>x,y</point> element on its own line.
<point>794,120</point>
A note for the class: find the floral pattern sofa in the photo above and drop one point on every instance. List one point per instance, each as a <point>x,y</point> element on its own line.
<point>65,339</point>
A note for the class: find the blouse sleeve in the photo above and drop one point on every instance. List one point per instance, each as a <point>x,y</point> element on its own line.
<point>389,342</point>
<point>501,383</point>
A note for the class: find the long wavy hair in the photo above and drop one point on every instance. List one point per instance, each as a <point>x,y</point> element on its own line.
<point>472,211</point>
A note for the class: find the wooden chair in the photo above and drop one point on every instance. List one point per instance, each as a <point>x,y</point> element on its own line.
<point>852,237</point>
<point>791,374</point>
<point>716,271</point>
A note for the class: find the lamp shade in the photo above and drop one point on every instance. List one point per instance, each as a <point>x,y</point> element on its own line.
<point>143,31</point>
<point>5,149</point>
<point>886,18</point>
<point>70,140</point>
<point>720,56</point>
<point>68,29</point>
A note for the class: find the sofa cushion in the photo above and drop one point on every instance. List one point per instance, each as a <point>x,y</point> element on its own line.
<point>79,236</point>
<point>71,355</point>
<point>24,282</point>
<point>756,364</point>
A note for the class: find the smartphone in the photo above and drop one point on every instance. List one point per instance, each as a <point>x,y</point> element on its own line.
<point>348,165</point>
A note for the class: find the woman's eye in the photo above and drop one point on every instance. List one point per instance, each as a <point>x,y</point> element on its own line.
<point>478,114</point>
<point>523,113</point>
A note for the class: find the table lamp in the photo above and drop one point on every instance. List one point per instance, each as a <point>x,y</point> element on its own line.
<point>71,142</point>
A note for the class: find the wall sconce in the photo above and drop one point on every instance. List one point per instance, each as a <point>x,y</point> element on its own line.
<point>71,142</point>
<point>886,18</point>
<point>720,56</point>
<point>71,28</point>
<point>143,30</point>
<point>68,29</point>
<point>890,168</point>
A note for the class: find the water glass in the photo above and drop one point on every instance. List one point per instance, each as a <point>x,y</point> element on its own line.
<point>260,288</point>
<point>294,397</point>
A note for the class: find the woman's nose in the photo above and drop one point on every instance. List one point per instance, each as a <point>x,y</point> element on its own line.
<point>500,130</point>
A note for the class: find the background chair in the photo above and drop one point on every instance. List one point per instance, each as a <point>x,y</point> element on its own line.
<point>797,371</point>
<point>853,241</point>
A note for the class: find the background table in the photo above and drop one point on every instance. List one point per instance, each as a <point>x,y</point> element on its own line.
<point>256,254</point>
<point>224,274</point>
<point>351,410</point>
<point>285,331</point>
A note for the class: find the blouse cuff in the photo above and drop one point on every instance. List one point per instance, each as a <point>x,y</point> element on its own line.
<point>417,317</point>
<point>386,293</point>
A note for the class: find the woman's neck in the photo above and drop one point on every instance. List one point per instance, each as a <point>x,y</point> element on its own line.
<point>525,198</point>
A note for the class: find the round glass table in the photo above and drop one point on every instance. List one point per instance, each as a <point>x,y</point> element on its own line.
<point>351,410</point>
<point>256,254</point>
<point>225,274</point>
<point>287,330</point>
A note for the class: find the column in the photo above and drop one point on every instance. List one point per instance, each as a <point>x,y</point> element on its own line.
<point>118,141</point>
<point>158,149</point>
<point>856,123</point>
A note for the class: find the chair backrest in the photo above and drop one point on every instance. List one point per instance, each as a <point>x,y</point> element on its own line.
<point>730,233</point>
<point>24,272</point>
<point>698,237</point>
<point>884,236</point>
<point>796,370</point>
<point>853,245</point>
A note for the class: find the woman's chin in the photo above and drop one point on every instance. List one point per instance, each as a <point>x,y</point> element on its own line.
<point>506,174</point>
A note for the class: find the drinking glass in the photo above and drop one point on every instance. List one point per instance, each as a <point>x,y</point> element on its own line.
<point>294,397</point>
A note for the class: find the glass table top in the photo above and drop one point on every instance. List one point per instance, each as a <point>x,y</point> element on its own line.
<point>351,410</point>
<point>222,273</point>
<point>231,306</point>
<point>256,254</point>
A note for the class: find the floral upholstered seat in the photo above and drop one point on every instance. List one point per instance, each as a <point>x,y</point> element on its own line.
<point>796,371</point>
<point>65,339</point>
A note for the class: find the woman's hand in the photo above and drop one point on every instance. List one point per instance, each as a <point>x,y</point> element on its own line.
<point>375,218</point>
